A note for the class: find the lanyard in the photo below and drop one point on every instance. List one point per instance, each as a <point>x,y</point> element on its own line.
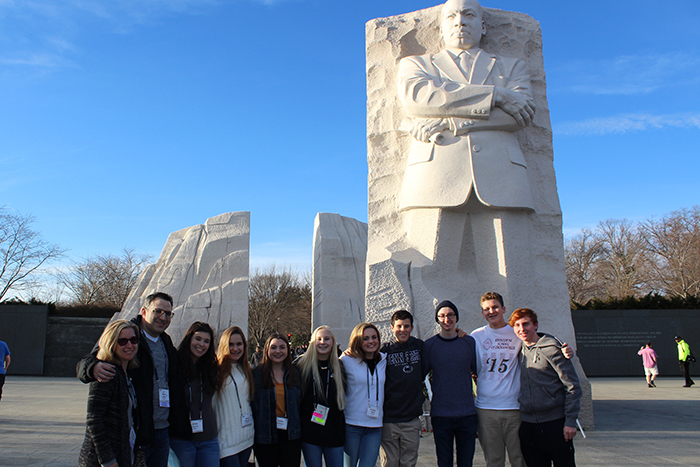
<point>201,396</point>
<point>376,374</point>
<point>155,369</point>
<point>132,391</point>
<point>237,396</point>
<point>328,378</point>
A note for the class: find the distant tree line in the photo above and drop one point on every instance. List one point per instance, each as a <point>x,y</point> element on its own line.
<point>22,252</point>
<point>103,279</point>
<point>279,301</point>
<point>653,261</point>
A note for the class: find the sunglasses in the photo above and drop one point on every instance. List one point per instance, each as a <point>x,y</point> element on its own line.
<point>123,341</point>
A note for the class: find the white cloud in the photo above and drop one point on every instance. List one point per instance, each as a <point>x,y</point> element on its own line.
<point>627,123</point>
<point>45,60</point>
<point>630,74</point>
<point>46,33</point>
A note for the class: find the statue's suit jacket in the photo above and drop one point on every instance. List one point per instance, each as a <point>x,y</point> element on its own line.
<point>480,152</point>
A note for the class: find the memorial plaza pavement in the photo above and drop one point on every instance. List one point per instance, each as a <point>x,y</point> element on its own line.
<point>42,423</point>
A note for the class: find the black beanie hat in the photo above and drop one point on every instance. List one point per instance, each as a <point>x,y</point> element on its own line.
<point>448,304</point>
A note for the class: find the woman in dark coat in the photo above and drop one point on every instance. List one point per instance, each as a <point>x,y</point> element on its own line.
<point>109,431</point>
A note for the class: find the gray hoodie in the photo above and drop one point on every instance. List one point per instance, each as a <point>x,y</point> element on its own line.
<point>549,387</point>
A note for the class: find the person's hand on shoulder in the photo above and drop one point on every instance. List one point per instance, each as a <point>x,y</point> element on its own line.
<point>103,372</point>
<point>567,351</point>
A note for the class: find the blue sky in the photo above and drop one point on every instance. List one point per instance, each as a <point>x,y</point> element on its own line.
<point>124,120</point>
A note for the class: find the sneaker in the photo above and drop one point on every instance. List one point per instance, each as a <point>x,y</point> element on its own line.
<point>649,385</point>
<point>653,385</point>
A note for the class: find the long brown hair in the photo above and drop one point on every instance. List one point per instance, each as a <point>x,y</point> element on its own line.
<point>206,365</point>
<point>225,363</point>
<point>266,365</point>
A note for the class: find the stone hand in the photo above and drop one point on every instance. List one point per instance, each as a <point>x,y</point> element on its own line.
<point>423,129</point>
<point>103,372</point>
<point>517,105</point>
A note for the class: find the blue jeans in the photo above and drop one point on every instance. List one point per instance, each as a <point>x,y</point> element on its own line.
<point>196,453</point>
<point>157,456</point>
<point>361,446</point>
<point>237,460</point>
<point>313,455</point>
<point>460,430</point>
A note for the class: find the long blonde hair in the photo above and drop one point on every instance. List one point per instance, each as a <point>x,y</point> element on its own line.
<point>108,341</point>
<point>225,363</point>
<point>308,364</point>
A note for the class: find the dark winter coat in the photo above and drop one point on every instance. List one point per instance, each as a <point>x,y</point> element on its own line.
<point>107,427</point>
<point>143,384</point>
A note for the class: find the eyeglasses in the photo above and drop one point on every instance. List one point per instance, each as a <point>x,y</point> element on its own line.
<point>121,342</point>
<point>447,316</point>
<point>158,311</point>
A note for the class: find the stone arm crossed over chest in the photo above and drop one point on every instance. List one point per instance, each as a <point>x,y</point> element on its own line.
<point>496,96</point>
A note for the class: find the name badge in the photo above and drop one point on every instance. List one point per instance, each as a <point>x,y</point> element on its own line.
<point>164,397</point>
<point>373,412</point>
<point>320,414</point>
<point>282,423</point>
<point>197,426</point>
<point>246,419</point>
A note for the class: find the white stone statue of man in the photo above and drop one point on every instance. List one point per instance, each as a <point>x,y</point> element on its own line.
<point>466,186</point>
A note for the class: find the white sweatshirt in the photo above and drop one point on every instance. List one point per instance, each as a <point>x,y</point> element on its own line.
<point>364,390</point>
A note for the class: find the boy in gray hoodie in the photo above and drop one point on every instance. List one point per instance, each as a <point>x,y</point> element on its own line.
<point>550,395</point>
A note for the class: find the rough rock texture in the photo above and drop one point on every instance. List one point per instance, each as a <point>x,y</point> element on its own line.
<point>395,270</point>
<point>205,269</point>
<point>340,250</point>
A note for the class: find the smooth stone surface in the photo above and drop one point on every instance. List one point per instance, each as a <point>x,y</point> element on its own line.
<point>205,269</point>
<point>417,257</point>
<point>340,251</point>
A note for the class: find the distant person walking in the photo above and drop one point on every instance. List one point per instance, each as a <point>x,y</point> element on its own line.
<point>649,359</point>
<point>5,357</point>
<point>684,359</point>
<point>256,358</point>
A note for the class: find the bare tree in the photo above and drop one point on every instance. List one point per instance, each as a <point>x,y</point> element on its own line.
<point>582,254</point>
<point>299,313</point>
<point>624,266</point>
<point>22,251</point>
<point>104,279</point>
<point>674,244</point>
<point>278,301</point>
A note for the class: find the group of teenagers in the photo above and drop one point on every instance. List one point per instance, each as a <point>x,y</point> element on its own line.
<point>209,407</point>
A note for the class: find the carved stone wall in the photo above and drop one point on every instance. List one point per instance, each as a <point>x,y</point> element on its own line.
<point>394,269</point>
<point>205,269</point>
<point>340,250</point>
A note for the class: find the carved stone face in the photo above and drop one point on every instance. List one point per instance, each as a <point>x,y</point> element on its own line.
<point>462,24</point>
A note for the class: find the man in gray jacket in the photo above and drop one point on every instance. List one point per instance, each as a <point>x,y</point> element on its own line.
<point>550,395</point>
